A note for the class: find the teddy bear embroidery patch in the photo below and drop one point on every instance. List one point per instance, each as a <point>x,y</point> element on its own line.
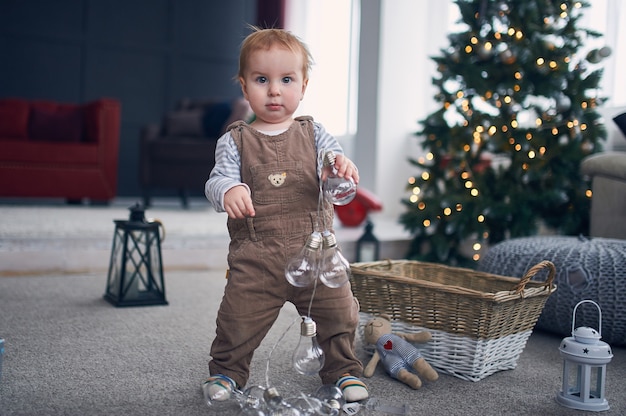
<point>277,179</point>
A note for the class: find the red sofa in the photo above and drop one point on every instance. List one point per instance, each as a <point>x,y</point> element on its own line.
<point>59,150</point>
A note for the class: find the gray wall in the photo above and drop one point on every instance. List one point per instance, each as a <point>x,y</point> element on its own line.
<point>146,53</point>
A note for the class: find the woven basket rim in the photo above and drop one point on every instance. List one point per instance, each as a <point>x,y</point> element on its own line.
<point>536,288</point>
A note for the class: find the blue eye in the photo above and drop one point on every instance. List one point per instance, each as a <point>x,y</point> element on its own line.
<point>286,80</point>
<point>261,80</point>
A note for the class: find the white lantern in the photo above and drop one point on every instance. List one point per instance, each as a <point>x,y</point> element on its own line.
<point>584,367</point>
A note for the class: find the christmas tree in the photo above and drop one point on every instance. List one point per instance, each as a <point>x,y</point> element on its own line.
<point>519,94</point>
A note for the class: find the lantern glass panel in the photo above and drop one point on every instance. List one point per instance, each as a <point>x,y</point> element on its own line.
<point>367,246</point>
<point>574,377</point>
<point>113,282</point>
<point>596,383</point>
<point>367,251</point>
<point>141,252</point>
<point>576,385</point>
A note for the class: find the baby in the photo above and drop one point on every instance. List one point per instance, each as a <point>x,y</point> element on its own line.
<point>266,179</point>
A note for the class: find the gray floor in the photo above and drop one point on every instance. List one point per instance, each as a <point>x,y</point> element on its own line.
<point>69,352</point>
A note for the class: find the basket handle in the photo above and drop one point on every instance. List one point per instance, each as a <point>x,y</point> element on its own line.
<point>533,271</point>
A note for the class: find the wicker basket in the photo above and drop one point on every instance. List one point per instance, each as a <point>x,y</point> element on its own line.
<point>480,322</point>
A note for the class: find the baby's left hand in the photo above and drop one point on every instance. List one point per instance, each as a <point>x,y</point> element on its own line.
<point>345,168</point>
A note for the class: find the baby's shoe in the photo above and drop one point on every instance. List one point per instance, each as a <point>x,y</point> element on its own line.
<point>353,389</point>
<point>218,388</point>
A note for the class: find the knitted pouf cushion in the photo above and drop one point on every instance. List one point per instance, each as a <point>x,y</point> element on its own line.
<point>592,269</point>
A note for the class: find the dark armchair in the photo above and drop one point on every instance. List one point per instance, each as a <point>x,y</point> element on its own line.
<point>179,153</point>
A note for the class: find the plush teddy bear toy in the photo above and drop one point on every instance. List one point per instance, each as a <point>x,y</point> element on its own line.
<point>397,353</point>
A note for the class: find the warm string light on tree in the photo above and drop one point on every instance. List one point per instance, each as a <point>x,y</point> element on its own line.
<point>518,98</point>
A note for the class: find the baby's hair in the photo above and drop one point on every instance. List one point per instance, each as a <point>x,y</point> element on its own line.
<point>265,39</point>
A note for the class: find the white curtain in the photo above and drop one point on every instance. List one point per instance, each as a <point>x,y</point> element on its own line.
<point>609,18</point>
<point>330,30</point>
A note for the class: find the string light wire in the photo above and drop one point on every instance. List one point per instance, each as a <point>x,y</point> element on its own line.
<point>320,205</point>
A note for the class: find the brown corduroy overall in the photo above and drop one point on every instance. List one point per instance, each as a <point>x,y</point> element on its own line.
<point>281,172</point>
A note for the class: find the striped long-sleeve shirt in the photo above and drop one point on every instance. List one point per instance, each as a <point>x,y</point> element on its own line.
<point>227,170</point>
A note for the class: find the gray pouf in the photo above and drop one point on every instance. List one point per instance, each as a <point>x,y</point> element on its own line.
<point>592,269</point>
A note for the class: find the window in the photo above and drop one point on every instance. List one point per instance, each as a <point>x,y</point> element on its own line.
<point>608,18</point>
<point>330,28</point>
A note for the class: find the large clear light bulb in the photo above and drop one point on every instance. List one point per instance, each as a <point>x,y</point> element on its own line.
<point>277,406</point>
<point>212,395</point>
<point>251,401</point>
<point>302,270</point>
<point>339,191</point>
<point>308,357</point>
<point>334,268</point>
<point>307,405</point>
<point>332,398</point>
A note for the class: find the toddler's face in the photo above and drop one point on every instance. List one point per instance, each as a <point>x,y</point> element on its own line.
<point>274,85</point>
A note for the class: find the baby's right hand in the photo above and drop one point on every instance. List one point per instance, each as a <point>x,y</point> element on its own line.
<point>237,203</point>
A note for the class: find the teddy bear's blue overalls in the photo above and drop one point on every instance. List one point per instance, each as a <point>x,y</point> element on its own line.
<point>396,353</point>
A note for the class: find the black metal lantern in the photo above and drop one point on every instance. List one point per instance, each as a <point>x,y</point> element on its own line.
<point>136,269</point>
<point>368,246</point>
